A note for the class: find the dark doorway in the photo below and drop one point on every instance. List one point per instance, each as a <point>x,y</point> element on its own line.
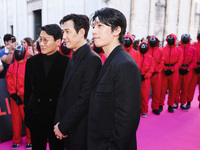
<point>37,23</point>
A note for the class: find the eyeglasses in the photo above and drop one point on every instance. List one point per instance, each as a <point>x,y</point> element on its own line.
<point>45,41</point>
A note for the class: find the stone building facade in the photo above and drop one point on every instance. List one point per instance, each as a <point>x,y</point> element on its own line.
<point>24,18</point>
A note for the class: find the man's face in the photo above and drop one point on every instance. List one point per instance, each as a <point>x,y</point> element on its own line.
<point>7,43</point>
<point>47,44</point>
<point>102,34</point>
<point>70,36</point>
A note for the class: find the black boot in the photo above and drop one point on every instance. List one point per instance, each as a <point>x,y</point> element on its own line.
<point>184,107</point>
<point>156,111</point>
<point>170,109</point>
<point>188,105</point>
<point>160,108</point>
<point>175,106</point>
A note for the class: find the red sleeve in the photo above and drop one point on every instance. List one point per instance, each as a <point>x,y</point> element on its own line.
<point>10,80</point>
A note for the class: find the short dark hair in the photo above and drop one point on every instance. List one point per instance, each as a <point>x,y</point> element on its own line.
<point>54,30</point>
<point>80,21</point>
<point>7,37</point>
<point>112,17</point>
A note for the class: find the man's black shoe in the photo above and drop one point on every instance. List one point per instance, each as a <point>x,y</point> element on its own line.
<point>156,111</point>
<point>184,107</point>
<point>170,109</point>
<point>160,108</point>
<point>188,105</point>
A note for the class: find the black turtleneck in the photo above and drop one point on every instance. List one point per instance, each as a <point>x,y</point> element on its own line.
<point>48,61</point>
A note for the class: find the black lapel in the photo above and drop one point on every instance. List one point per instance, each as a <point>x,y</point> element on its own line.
<point>107,62</point>
<point>75,66</point>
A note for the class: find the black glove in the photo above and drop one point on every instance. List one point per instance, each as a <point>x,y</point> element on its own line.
<point>16,98</point>
<point>168,72</point>
<point>183,71</point>
<point>142,78</point>
<point>197,70</point>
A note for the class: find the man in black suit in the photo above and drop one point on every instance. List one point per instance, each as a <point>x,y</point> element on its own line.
<point>43,80</point>
<point>114,110</point>
<point>73,102</point>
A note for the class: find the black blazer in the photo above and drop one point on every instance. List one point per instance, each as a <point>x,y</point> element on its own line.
<point>41,92</point>
<point>73,102</point>
<point>114,111</point>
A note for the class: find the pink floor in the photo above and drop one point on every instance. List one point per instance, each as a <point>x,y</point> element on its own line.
<point>177,131</point>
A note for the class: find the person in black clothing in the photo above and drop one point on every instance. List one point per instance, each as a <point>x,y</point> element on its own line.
<point>73,101</point>
<point>43,80</point>
<point>114,110</point>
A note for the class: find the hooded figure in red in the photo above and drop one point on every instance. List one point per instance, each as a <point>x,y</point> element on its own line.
<point>15,85</point>
<point>185,71</point>
<point>64,50</point>
<point>100,52</point>
<point>158,57</point>
<point>195,74</point>
<point>173,57</point>
<point>146,67</point>
<point>128,46</point>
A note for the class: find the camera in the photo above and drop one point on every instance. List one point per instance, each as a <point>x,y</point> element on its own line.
<point>13,39</point>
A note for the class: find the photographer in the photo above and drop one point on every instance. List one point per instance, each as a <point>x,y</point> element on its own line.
<point>6,54</point>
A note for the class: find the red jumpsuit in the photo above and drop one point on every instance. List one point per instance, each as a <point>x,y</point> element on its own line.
<point>189,62</point>
<point>135,54</point>
<point>158,57</point>
<point>103,57</point>
<point>195,76</point>
<point>15,84</point>
<point>173,57</point>
<point>146,67</point>
<point>69,55</point>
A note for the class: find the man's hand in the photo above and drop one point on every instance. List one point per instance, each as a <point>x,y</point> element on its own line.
<point>57,132</point>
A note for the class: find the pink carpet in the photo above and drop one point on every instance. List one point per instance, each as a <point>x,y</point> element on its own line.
<point>177,131</point>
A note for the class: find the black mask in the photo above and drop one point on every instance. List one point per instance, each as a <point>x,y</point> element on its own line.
<point>38,46</point>
<point>127,42</point>
<point>19,52</point>
<point>64,49</point>
<point>185,38</point>
<point>153,41</point>
<point>98,50</point>
<point>198,36</point>
<point>143,48</point>
<point>170,40</point>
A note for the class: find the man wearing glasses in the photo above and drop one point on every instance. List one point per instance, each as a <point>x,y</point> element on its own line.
<point>43,80</point>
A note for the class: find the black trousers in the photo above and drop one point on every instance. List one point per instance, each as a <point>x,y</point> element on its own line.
<point>69,146</point>
<point>39,140</point>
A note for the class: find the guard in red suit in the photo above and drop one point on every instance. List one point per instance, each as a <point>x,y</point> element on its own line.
<point>15,85</point>
<point>100,52</point>
<point>158,57</point>
<point>146,67</point>
<point>128,46</point>
<point>64,50</point>
<point>195,74</point>
<point>173,57</point>
<point>185,71</point>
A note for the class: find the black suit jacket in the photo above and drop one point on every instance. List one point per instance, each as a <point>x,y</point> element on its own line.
<point>41,92</point>
<point>73,102</point>
<point>114,110</point>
